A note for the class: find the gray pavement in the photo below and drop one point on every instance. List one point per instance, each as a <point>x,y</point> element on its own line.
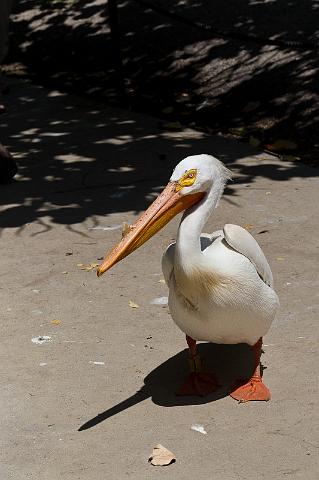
<point>84,169</point>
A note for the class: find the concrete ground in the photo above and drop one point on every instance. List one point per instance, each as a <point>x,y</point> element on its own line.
<point>92,401</point>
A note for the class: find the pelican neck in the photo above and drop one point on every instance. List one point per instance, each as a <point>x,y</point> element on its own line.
<point>188,246</point>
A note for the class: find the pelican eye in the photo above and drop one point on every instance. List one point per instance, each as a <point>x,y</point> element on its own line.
<point>187,179</point>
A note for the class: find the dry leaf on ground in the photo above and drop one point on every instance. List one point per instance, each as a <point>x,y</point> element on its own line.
<point>87,267</point>
<point>55,321</point>
<point>133,305</point>
<point>161,456</point>
<point>248,226</point>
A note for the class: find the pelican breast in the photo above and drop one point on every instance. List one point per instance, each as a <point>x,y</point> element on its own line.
<point>219,298</point>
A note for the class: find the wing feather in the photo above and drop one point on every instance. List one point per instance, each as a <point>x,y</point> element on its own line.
<point>168,262</point>
<point>243,242</point>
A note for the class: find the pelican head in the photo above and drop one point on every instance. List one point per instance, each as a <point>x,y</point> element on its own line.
<point>207,171</point>
<point>191,180</point>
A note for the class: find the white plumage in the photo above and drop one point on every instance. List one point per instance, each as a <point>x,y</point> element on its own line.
<point>220,285</point>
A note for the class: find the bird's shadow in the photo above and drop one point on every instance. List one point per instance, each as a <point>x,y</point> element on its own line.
<point>228,362</point>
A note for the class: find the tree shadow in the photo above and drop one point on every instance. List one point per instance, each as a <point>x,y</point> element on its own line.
<point>78,161</point>
<point>242,63</point>
<point>229,362</point>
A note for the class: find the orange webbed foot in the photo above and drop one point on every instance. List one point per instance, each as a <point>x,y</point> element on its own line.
<point>252,390</point>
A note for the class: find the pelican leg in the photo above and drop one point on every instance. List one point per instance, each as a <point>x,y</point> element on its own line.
<point>198,381</point>
<point>254,388</point>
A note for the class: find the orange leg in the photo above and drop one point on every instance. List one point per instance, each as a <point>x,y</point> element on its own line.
<point>198,381</point>
<point>254,389</point>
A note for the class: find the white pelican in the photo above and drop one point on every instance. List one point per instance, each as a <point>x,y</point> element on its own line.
<point>220,285</point>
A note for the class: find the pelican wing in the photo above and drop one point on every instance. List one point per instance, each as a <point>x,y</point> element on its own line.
<point>243,242</point>
<point>168,262</point>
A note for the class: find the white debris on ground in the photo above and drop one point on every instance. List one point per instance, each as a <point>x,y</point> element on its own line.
<point>41,339</point>
<point>197,427</point>
<point>160,301</point>
<point>107,228</point>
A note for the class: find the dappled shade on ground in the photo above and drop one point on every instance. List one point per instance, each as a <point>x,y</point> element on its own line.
<point>256,66</point>
<point>78,160</point>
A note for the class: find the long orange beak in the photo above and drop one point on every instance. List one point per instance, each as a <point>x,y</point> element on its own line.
<point>168,204</point>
